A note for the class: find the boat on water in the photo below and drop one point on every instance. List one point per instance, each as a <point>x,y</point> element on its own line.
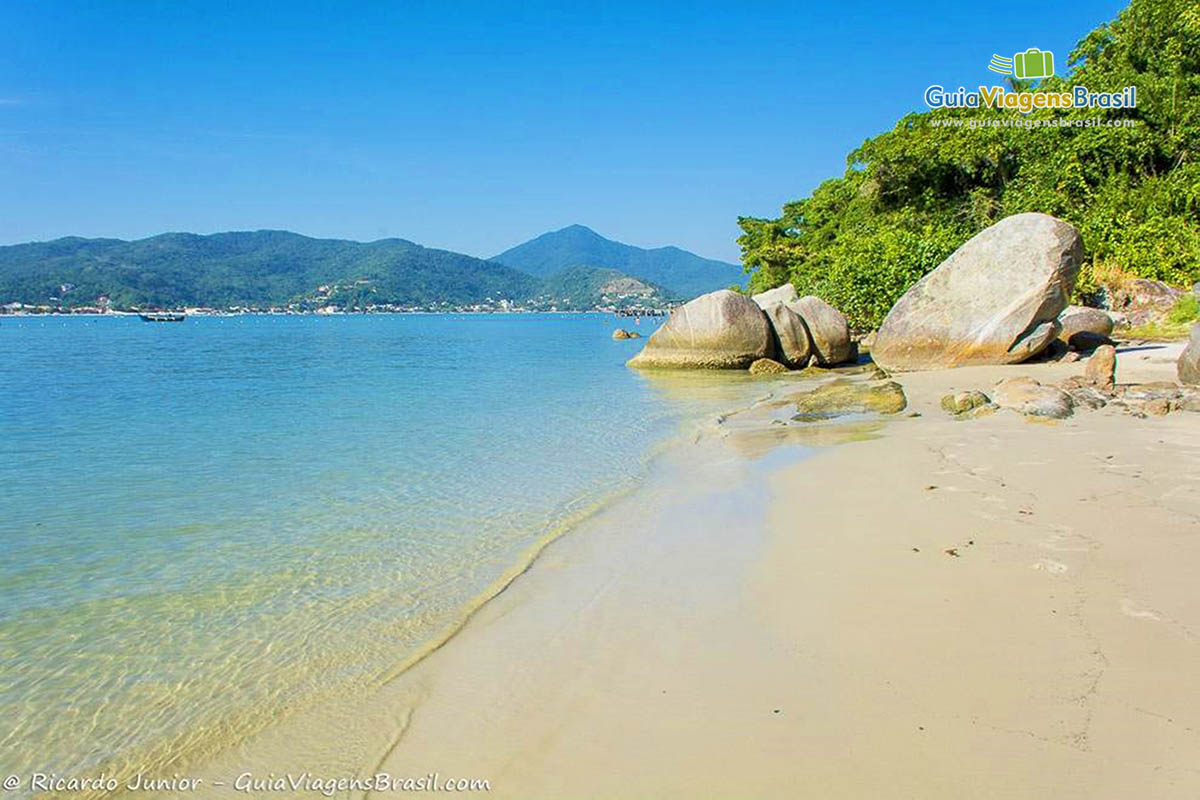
<point>162,316</point>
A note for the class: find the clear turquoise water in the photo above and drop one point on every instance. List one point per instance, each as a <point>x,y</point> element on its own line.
<point>208,524</point>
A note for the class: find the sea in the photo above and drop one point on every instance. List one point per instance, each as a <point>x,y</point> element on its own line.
<point>209,525</point>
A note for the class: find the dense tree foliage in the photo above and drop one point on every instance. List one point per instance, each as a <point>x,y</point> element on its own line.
<point>912,195</point>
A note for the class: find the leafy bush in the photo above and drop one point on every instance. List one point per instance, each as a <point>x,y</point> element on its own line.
<point>910,196</point>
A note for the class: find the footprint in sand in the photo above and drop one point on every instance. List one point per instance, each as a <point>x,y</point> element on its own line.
<point>1130,609</point>
<point>1053,567</point>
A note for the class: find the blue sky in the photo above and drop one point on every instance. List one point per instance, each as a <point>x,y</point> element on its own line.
<point>466,126</point>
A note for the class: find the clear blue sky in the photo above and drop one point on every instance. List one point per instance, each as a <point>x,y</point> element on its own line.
<point>462,125</point>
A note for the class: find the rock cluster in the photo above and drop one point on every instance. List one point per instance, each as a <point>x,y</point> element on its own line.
<point>1095,389</point>
<point>727,330</point>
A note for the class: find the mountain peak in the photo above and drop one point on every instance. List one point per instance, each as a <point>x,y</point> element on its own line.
<point>682,273</point>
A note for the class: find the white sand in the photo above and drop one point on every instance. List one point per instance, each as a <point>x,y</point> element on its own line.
<point>774,628</point>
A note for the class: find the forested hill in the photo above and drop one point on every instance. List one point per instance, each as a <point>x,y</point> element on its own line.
<point>258,268</point>
<point>681,273</point>
<point>1127,178</point>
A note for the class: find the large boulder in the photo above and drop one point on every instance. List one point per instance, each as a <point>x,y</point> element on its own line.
<point>995,300</point>
<point>1084,328</point>
<point>780,294</point>
<point>828,328</point>
<point>1189,359</point>
<point>793,346</point>
<point>720,330</point>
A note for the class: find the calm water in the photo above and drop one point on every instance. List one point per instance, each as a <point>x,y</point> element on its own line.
<point>203,525</point>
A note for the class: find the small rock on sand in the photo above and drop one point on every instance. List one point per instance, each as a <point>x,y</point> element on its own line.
<point>1101,369</point>
<point>963,402</point>
<point>1032,399</point>
<point>767,366</point>
<point>843,396</point>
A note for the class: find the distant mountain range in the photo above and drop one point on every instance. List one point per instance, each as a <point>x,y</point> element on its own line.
<point>678,271</point>
<point>279,268</point>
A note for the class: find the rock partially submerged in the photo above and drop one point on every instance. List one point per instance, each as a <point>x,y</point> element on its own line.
<point>995,300</point>
<point>843,396</point>
<point>720,330</point>
<point>780,294</point>
<point>767,366</point>
<point>1033,399</point>
<point>1188,366</point>
<point>621,333</point>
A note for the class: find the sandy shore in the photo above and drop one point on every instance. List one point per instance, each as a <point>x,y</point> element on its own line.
<point>936,608</point>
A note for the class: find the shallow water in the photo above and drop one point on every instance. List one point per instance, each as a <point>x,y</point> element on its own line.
<point>208,524</point>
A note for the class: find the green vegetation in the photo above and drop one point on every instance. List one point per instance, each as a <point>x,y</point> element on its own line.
<point>1177,323</point>
<point>680,273</point>
<point>260,268</point>
<point>912,195</point>
<point>277,269</point>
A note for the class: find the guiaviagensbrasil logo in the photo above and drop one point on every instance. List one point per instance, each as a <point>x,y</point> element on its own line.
<point>1032,64</point>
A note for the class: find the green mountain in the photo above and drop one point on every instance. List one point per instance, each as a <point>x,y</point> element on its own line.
<point>591,287</point>
<point>681,273</point>
<point>258,268</point>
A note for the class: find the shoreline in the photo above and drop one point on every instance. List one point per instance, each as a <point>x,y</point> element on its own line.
<point>275,742</point>
<point>724,630</point>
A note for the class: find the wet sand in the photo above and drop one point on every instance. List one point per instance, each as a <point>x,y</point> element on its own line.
<point>987,608</point>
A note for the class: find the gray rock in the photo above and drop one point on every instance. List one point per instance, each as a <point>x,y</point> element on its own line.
<point>620,333</point>
<point>1087,397</point>
<point>720,330</point>
<point>1031,398</point>
<point>793,346</point>
<point>1188,365</point>
<point>995,300</point>
<point>1101,369</point>
<point>828,329</point>
<point>1084,328</point>
<point>780,294</point>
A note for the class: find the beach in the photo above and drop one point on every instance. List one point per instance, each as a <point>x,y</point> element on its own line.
<point>931,607</point>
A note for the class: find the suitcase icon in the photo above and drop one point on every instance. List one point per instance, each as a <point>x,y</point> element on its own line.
<point>1033,63</point>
